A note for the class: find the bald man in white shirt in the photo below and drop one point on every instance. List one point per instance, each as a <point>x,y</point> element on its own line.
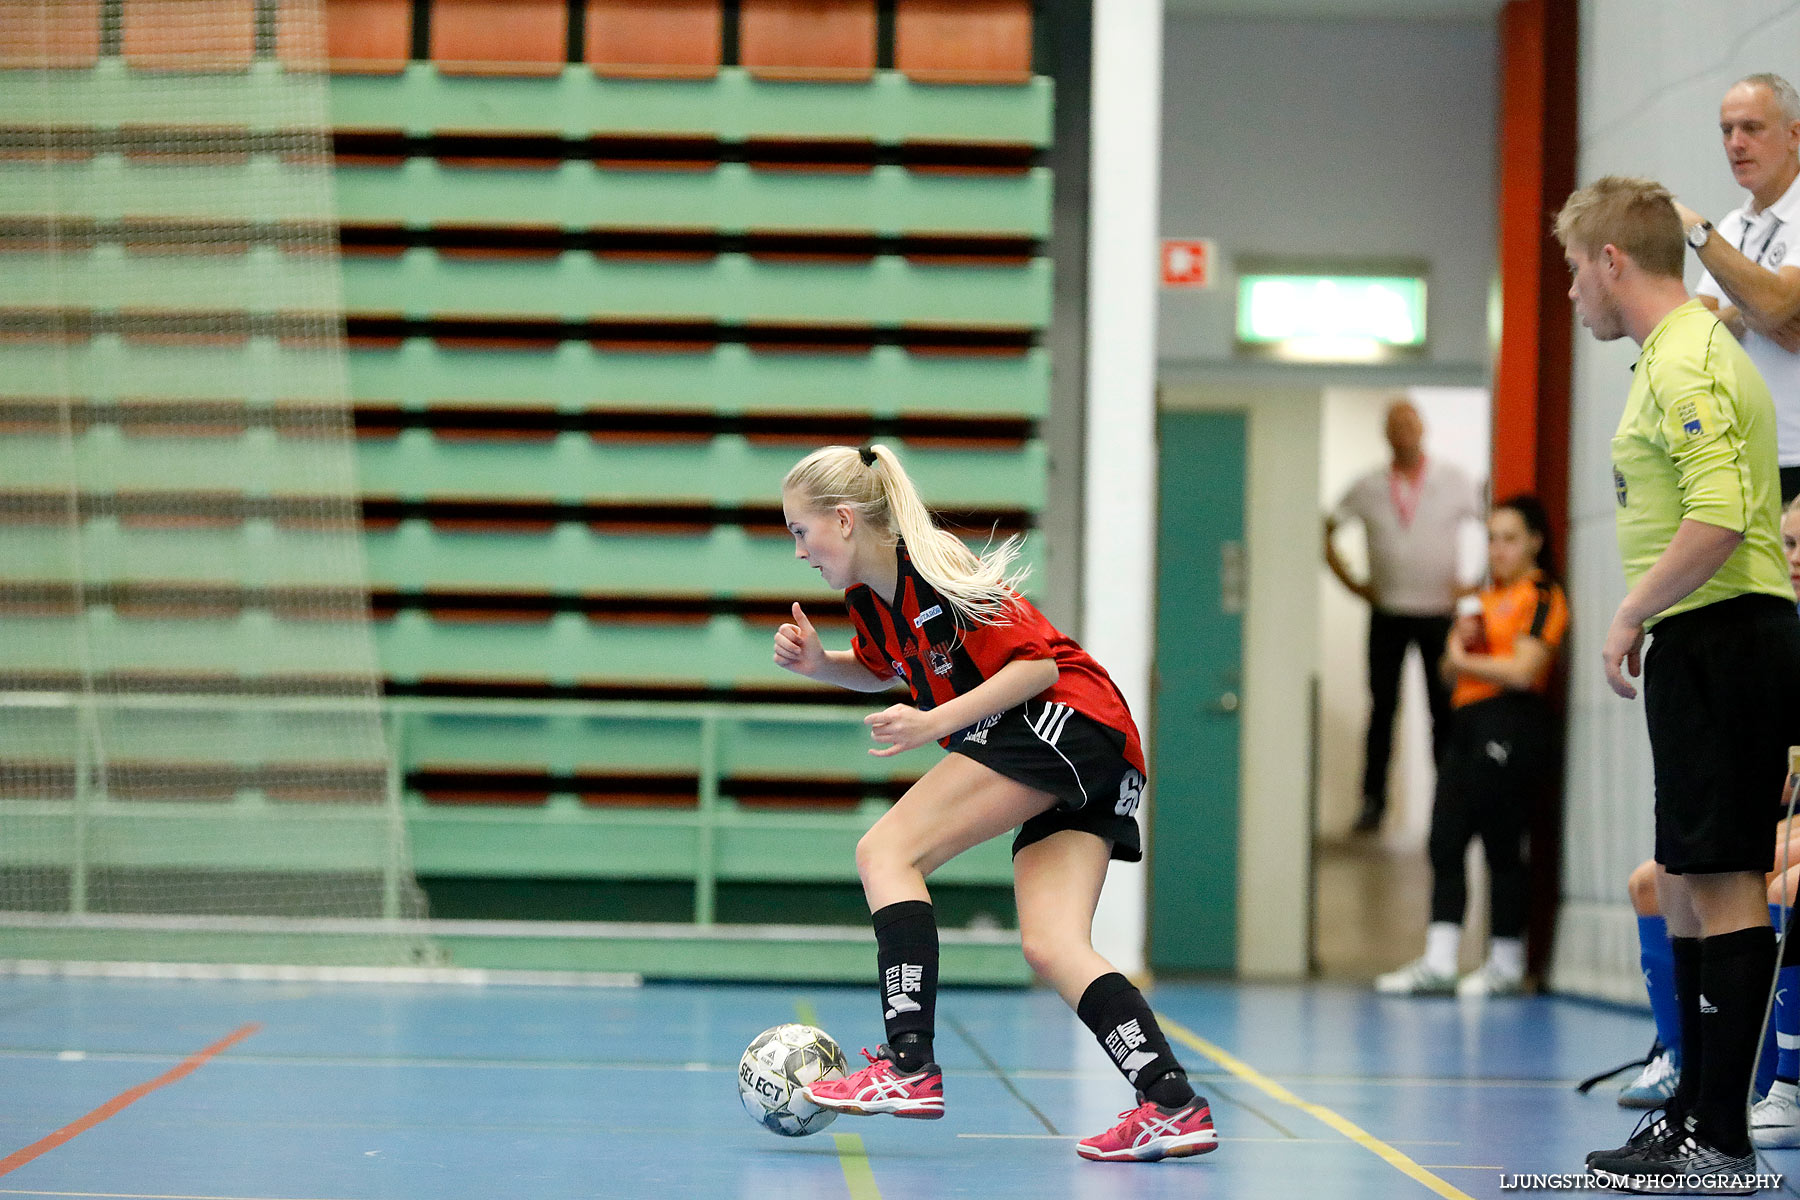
<point>1412,512</point>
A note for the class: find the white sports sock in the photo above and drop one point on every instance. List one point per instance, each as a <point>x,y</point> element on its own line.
<point>1507,955</point>
<point>1441,941</point>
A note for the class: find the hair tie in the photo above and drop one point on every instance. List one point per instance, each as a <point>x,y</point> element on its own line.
<point>868,454</point>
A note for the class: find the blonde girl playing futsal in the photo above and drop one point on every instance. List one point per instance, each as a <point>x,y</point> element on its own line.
<point>1040,740</point>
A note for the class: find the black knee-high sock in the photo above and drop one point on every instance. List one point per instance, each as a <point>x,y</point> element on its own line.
<point>1687,997</point>
<point>906,947</point>
<point>1735,971</point>
<point>1127,1030</point>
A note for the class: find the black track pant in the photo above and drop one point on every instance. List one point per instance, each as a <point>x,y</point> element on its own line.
<point>1491,774</point>
<point>1389,636</point>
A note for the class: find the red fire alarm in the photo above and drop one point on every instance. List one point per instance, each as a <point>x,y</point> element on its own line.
<point>1187,262</point>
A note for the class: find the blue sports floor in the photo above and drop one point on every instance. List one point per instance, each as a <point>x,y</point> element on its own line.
<point>445,1092</point>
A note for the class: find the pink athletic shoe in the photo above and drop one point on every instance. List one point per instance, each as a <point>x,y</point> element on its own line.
<point>1149,1132</point>
<point>881,1088</point>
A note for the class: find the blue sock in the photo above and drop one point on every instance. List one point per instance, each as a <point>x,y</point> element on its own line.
<point>1767,1062</point>
<point>1657,957</point>
<point>1787,1015</point>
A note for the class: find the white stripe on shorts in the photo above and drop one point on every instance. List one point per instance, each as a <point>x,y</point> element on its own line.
<point>1049,725</point>
<point>1053,718</point>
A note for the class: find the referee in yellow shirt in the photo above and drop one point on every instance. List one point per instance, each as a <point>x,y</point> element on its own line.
<point>1695,477</point>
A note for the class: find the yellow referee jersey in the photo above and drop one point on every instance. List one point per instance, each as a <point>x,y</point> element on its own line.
<point>1697,442</point>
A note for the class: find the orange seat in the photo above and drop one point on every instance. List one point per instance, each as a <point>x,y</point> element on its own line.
<point>500,37</point>
<point>807,39</point>
<point>359,37</point>
<point>963,41</point>
<point>654,39</point>
<point>35,35</point>
<point>178,35</point>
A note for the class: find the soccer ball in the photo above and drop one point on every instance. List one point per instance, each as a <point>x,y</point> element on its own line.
<point>778,1063</point>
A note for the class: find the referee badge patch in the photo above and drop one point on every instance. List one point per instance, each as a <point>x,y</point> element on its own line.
<point>1692,418</point>
<point>1619,486</point>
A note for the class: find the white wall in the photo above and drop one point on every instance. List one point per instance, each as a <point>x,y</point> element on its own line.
<point>1652,76</point>
<point>1281,525</point>
<point>1118,575</point>
<point>1332,138</point>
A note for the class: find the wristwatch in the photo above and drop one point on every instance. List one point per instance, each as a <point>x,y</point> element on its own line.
<point>1699,232</point>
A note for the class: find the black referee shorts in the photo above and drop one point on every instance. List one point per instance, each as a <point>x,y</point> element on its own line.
<point>1722,698</point>
<point>1075,758</point>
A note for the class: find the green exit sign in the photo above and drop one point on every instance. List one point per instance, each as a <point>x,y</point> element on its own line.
<point>1376,311</point>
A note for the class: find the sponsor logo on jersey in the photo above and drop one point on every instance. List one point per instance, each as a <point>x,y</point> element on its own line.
<point>899,667</point>
<point>936,610</point>
<point>978,732</point>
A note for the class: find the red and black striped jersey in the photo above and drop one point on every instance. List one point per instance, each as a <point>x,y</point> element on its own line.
<point>920,638</point>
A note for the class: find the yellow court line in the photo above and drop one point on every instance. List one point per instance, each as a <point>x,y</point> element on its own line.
<point>852,1155</point>
<point>1355,1133</point>
<point>855,1161</point>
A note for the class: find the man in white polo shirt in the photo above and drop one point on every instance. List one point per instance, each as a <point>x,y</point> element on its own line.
<point>1752,259</point>
<point>1412,512</point>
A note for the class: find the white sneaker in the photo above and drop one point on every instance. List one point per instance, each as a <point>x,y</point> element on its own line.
<point>1775,1121</point>
<point>1416,978</point>
<point>1490,979</point>
<point>1655,1084</point>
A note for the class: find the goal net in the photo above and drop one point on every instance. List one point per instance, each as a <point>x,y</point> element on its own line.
<point>192,758</point>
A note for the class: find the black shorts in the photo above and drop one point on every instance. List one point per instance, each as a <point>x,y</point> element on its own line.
<point>1075,758</point>
<point>1722,699</point>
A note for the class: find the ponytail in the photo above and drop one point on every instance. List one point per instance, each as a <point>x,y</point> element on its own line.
<point>873,484</point>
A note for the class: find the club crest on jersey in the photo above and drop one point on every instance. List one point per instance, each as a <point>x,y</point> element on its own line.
<point>940,662</point>
<point>936,610</point>
<point>1619,486</point>
<point>1777,252</point>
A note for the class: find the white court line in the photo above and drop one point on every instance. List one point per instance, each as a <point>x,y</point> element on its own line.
<point>139,1195</point>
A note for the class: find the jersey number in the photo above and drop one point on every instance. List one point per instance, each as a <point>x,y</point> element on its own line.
<point>1131,791</point>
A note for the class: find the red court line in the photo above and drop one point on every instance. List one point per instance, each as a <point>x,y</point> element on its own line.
<point>123,1100</point>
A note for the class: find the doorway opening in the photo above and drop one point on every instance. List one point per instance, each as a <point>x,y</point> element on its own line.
<point>1371,890</point>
